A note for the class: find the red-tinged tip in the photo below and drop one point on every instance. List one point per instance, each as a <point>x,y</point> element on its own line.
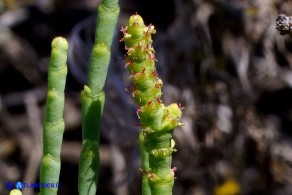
<point>130,50</point>
<point>146,172</point>
<point>123,30</point>
<point>158,100</point>
<point>155,73</point>
<point>131,89</point>
<point>134,90</point>
<point>138,112</point>
<point>143,71</point>
<point>151,56</point>
<point>133,93</point>
<point>174,169</point>
<point>139,45</point>
<point>128,89</point>
<point>180,106</point>
<point>150,29</point>
<point>157,85</point>
<point>128,63</point>
<point>132,74</point>
<point>149,102</point>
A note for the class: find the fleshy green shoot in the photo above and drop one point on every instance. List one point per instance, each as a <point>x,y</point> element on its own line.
<point>93,97</point>
<point>54,123</point>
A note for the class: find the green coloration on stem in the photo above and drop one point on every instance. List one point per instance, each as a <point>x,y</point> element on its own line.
<point>99,62</point>
<point>108,12</point>
<point>145,166</point>
<point>54,123</point>
<point>157,121</point>
<point>93,98</point>
<point>92,107</point>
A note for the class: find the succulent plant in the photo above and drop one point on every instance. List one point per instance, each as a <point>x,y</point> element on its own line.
<point>93,97</point>
<point>54,122</point>
<point>157,120</point>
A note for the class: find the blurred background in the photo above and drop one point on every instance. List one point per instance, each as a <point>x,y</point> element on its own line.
<point>222,59</point>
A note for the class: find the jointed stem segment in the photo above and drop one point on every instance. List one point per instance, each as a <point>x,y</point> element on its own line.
<point>108,12</point>
<point>92,107</point>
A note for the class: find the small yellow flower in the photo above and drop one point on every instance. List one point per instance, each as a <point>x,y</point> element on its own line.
<point>15,192</point>
<point>229,187</point>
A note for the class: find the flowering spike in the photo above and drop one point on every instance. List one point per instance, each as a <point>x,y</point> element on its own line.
<point>157,120</point>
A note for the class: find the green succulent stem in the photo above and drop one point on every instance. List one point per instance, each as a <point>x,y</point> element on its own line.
<point>108,12</point>
<point>53,125</point>
<point>93,98</point>
<point>157,120</point>
<point>145,166</point>
<point>92,108</point>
